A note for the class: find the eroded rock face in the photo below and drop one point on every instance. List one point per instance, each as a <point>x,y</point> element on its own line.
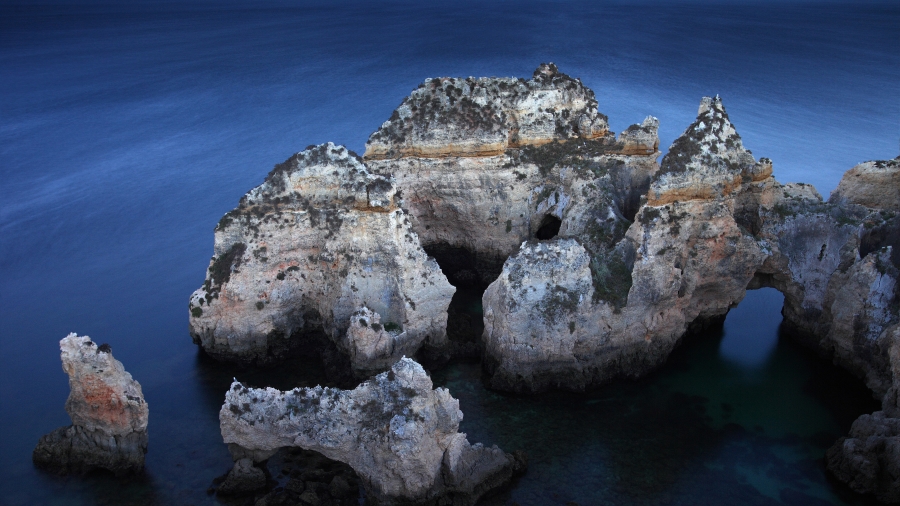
<point>708,161</point>
<point>873,184</point>
<point>108,412</point>
<point>714,222</point>
<point>486,116</point>
<point>318,240</point>
<point>480,175</point>
<point>399,435</point>
<point>868,459</point>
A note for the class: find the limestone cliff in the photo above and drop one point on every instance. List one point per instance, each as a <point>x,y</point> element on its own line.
<point>319,240</point>
<point>715,222</point>
<point>485,164</point>
<point>868,459</point>
<point>873,184</point>
<point>108,412</point>
<point>486,116</point>
<point>398,433</point>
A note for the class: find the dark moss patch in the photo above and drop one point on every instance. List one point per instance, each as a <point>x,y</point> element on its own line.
<point>578,154</point>
<point>559,303</point>
<point>222,267</point>
<point>392,327</point>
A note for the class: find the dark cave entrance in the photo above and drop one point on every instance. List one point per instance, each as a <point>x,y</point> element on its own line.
<point>549,228</point>
<point>470,272</point>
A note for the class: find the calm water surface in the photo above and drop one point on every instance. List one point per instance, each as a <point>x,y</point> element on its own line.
<point>125,133</point>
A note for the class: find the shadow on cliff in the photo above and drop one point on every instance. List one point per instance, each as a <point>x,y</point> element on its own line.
<point>470,272</point>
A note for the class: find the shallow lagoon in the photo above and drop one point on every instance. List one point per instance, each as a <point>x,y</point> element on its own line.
<point>126,132</point>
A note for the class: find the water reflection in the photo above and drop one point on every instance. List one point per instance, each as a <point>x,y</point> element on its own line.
<point>751,329</point>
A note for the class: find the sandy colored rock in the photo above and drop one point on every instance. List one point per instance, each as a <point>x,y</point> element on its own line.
<point>318,240</point>
<point>108,412</point>
<point>485,116</point>
<point>398,433</point>
<point>683,261</point>
<point>556,153</point>
<point>873,184</point>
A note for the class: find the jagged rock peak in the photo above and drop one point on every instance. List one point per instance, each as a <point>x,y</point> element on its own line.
<point>108,412</point>
<point>397,432</point>
<point>707,161</point>
<point>485,116</point>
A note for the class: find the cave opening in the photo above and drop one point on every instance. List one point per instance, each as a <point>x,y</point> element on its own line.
<point>549,228</point>
<point>470,272</point>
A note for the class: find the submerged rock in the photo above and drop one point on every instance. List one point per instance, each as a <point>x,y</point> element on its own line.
<point>108,412</point>
<point>398,434</point>
<point>320,239</point>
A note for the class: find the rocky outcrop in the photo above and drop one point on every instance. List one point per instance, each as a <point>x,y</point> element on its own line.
<point>398,434</point>
<point>486,116</point>
<point>873,184</point>
<point>868,459</point>
<point>318,241</point>
<point>483,164</point>
<point>108,412</point>
<point>715,222</point>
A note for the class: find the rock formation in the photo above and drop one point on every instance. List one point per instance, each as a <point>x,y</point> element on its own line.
<point>399,435</point>
<point>108,412</point>
<point>714,222</point>
<point>868,459</point>
<point>483,164</point>
<point>873,184</point>
<point>596,258</point>
<point>320,240</point>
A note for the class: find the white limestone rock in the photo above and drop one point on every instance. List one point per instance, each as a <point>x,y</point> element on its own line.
<point>398,433</point>
<point>320,238</point>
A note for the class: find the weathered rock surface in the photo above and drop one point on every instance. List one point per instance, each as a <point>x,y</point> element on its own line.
<point>868,459</point>
<point>319,240</point>
<point>399,435</point>
<point>486,116</point>
<point>715,221</point>
<point>873,184</point>
<point>108,412</point>
<point>479,176</point>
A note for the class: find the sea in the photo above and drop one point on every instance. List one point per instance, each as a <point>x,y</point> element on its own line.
<point>127,129</point>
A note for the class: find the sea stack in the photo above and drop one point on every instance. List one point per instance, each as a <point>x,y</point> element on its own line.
<point>108,412</point>
<point>320,240</point>
<point>397,432</point>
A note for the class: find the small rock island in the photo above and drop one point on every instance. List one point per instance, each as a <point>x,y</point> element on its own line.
<point>108,412</point>
<point>595,259</point>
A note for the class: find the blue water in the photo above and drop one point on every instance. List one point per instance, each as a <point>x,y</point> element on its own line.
<point>126,132</point>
